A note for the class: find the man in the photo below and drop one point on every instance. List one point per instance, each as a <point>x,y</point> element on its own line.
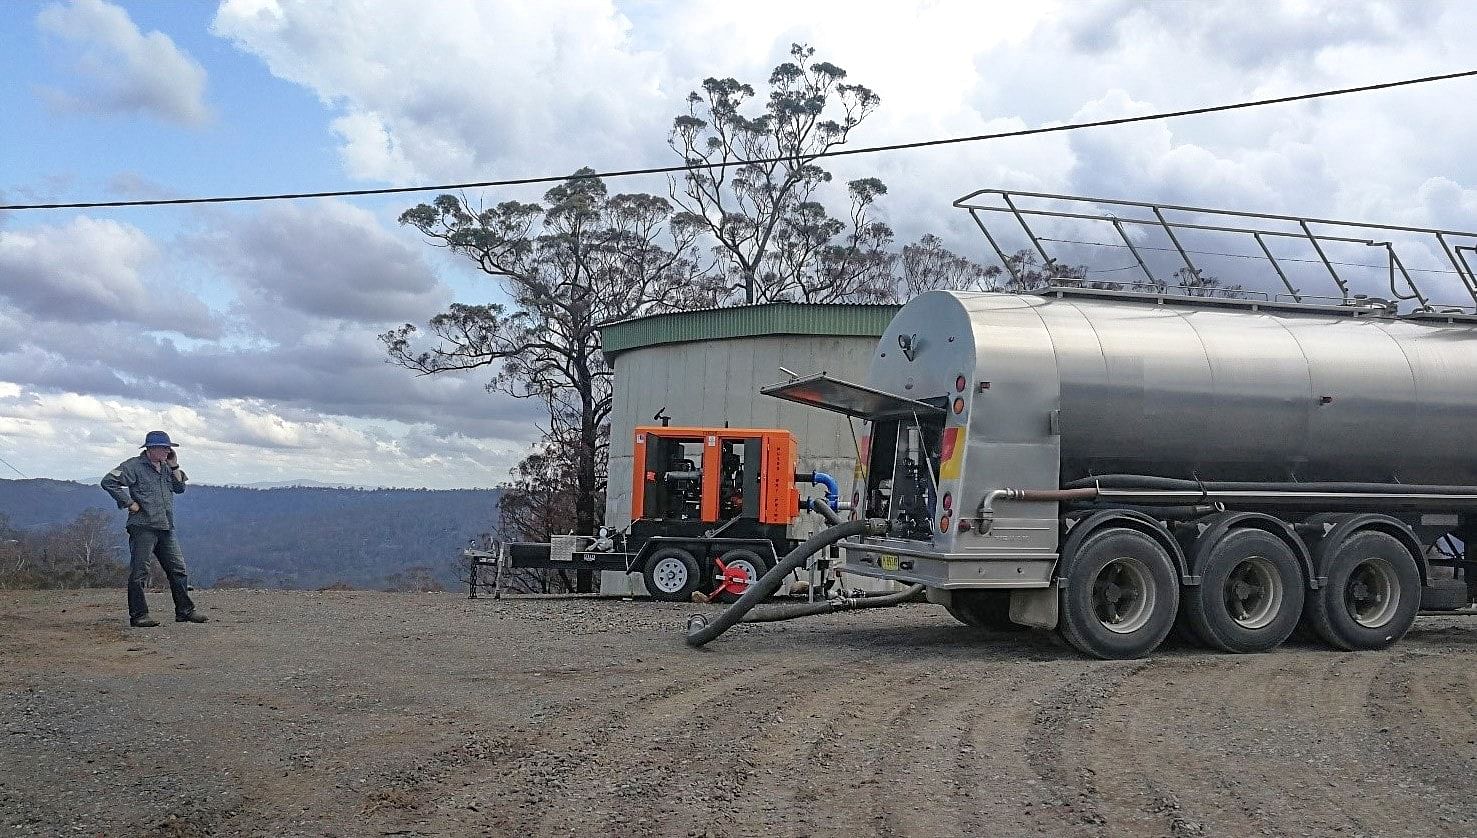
<point>146,485</point>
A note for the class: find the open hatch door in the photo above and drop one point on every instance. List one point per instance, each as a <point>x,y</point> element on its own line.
<point>833,394</point>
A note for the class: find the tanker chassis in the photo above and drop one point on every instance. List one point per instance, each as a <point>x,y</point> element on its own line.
<point>1114,464</point>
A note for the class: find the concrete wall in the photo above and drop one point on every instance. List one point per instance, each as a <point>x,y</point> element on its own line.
<point>710,382</point>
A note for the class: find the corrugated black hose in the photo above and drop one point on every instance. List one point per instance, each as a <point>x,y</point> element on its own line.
<point>700,631</point>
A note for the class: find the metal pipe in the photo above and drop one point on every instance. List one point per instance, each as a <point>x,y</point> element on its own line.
<point>700,631</point>
<point>1004,260</point>
<point>1029,234</point>
<point>1415,293</point>
<point>1277,267</point>
<point>1305,500</point>
<point>1318,248</point>
<point>1463,270</point>
<point>1118,225</point>
<point>985,517</point>
<point>1158,491</point>
<point>1468,266</point>
<point>831,606</point>
<point>1176,513</point>
<point>1146,481</point>
<point>1169,231</point>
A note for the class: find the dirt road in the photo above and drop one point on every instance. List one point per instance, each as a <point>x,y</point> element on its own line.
<point>356,714</point>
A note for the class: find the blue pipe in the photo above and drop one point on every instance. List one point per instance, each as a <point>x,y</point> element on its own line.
<point>833,493</point>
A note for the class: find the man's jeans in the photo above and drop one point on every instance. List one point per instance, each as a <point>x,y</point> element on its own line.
<point>146,542</point>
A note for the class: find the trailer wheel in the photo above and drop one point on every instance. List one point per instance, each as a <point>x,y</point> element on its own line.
<point>1372,594</point>
<point>748,563</point>
<point>672,574</point>
<point>982,609</point>
<point>1121,595</point>
<point>1250,595</point>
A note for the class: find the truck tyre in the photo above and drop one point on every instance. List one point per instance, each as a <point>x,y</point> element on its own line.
<point>672,574</point>
<point>1121,595</point>
<point>1372,594</point>
<point>751,563</point>
<point>982,609</point>
<point>1250,595</point>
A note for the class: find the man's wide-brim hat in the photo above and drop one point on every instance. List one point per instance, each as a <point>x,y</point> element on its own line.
<point>158,439</point>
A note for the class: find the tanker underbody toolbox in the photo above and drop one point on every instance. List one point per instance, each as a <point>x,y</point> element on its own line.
<point>1113,464</point>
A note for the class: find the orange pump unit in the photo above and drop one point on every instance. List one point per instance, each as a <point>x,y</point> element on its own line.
<point>710,513</point>
<point>715,474</point>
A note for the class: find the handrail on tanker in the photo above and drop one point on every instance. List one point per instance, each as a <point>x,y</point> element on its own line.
<point>1399,274</point>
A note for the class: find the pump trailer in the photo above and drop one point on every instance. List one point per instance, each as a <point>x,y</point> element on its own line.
<point>711,512</point>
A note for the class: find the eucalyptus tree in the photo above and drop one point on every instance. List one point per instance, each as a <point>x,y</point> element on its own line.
<point>753,178</point>
<point>580,259</point>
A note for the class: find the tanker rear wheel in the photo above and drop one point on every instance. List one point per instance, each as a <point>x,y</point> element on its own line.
<point>1372,594</point>
<point>984,609</point>
<point>1121,595</point>
<point>1250,595</point>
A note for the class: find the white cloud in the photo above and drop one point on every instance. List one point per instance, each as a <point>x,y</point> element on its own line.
<point>95,271</point>
<point>329,260</point>
<point>233,441</point>
<point>123,70</point>
<point>461,88</point>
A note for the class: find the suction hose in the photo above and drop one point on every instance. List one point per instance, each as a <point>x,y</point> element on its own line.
<point>700,631</point>
<point>831,606</point>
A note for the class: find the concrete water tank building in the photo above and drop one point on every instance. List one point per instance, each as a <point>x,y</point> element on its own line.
<point>705,367</point>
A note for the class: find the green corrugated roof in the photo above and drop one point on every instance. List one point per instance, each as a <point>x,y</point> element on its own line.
<point>745,321</point>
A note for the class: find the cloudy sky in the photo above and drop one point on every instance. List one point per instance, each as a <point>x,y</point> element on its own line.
<point>249,331</point>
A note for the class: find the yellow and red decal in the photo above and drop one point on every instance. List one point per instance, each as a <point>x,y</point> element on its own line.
<point>951,453</point>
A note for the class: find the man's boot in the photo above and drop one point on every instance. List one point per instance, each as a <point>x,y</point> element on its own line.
<point>143,623</point>
<point>192,617</point>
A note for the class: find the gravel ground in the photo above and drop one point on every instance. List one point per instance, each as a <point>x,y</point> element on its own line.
<point>362,714</point>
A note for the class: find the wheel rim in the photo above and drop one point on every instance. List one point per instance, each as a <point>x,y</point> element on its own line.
<point>1372,593</point>
<point>1123,595</point>
<point>670,575</point>
<point>1253,593</point>
<point>745,567</point>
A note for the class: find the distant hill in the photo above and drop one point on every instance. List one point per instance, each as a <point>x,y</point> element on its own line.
<point>301,484</point>
<point>289,537</point>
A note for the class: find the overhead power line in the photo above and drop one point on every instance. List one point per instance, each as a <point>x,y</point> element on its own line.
<point>660,170</point>
<point>14,469</point>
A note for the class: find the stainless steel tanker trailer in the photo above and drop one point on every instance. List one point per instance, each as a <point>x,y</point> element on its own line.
<point>1112,463</point>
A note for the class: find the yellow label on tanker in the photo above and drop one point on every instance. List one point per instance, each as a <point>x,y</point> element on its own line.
<point>951,453</point>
